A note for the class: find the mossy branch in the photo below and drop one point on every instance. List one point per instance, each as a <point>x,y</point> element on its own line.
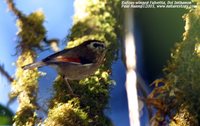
<point>96,20</point>
<point>31,33</point>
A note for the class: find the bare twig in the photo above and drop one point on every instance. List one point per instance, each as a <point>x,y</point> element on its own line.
<point>68,86</point>
<point>5,73</point>
<point>53,44</point>
<point>141,85</point>
<point>12,8</point>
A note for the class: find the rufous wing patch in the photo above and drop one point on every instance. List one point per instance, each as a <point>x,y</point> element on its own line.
<point>67,59</point>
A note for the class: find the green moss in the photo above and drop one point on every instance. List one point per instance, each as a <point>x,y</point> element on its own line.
<point>31,31</point>
<point>68,114</point>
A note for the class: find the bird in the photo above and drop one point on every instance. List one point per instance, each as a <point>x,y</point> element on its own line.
<point>75,63</point>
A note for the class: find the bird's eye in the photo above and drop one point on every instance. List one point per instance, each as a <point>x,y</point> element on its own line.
<point>98,45</point>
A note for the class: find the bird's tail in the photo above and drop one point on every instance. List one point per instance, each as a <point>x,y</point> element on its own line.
<point>33,65</point>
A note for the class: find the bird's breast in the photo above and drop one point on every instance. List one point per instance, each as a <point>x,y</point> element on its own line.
<point>75,71</point>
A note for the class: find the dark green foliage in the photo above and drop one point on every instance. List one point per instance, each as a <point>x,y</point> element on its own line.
<point>5,116</point>
<point>180,96</point>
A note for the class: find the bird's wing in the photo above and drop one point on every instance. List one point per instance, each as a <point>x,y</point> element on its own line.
<point>55,55</point>
<point>67,55</point>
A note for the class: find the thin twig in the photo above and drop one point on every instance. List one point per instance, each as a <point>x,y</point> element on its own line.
<point>5,73</point>
<point>68,86</point>
<point>53,44</point>
<point>141,85</point>
<point>12,8</point>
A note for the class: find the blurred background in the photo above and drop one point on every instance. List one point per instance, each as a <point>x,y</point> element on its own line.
<point>156,31</point>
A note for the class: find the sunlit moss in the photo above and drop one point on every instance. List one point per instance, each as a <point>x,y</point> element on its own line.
<point>72,113</point>
<point>25,87</point>
<point>197,49</point>
<point>184,117</point>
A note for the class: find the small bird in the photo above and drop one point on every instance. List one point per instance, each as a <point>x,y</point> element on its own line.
<point>75,63</point>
